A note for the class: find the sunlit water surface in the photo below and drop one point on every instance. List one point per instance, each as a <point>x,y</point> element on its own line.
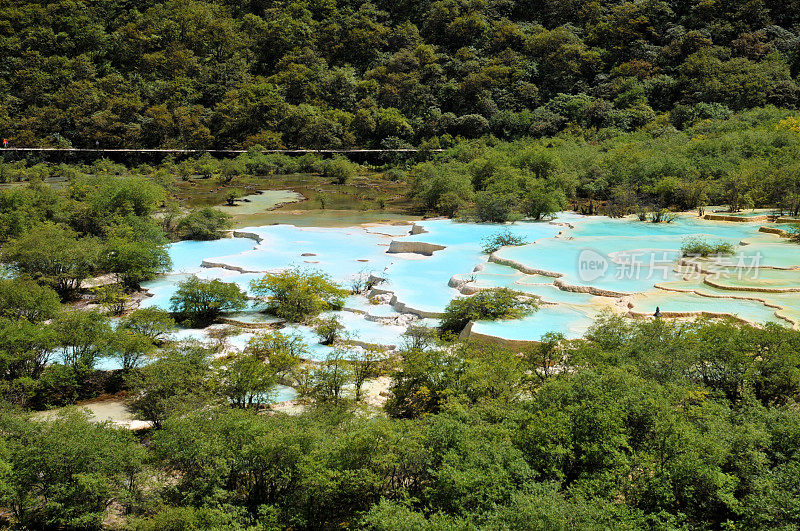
<point>638,261</point>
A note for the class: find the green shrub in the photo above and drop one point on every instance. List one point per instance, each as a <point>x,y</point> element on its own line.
<point>177,381</point>
<point>496,207</point>
<point>58,386</point>
<point>62,474</point>
<point>82,338</point>
<point>130,349</point>
<point>296,294</point>
<point>55,255</point>
<point>204,224</point>
<point>153,323</point>
<point>500,239</point>
<point>328,330</point>
<point>136,252</point>
<point>339,169</point>
<point>25,299</point>
<point>200,302</point>
<point>112,298</point>
<point>283,352</point>
<point>539,204</point>
<point>662,216</point>
<point>697,246</point>
<point>395,174</point>
<point>501,303</point>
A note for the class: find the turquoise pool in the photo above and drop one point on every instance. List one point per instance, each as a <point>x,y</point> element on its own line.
<point>590,263</point>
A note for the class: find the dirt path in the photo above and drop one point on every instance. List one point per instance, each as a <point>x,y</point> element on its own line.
<point>113,410</point>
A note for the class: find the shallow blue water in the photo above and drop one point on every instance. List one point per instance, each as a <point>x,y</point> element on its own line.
<point>341,253</point>
<point>187,256</point>
<point>568,320</point>
<point>635,256</point>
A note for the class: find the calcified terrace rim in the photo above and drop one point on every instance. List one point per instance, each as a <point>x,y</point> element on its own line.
<point>765,302</point>
<point>462,285</point>
<point>395,246</point>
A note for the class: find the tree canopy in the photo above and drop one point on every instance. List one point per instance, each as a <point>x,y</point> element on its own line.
<point>215,73</point>
<point>297,294</point>
<point>199,302</point>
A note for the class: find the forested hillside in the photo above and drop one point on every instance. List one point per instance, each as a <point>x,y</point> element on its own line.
<point>221,420</point>
<point>322,73</point>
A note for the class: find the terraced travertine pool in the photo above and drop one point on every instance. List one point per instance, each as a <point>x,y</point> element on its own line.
<point>577,265</point>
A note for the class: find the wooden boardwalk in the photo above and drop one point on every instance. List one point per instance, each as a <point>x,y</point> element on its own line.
<point>213,151</point>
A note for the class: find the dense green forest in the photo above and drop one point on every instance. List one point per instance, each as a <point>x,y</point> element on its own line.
<point>750,159</point>
<point>320,73</point>
<point>605,107</point>
<point>736,161</point>
<point>641,425</point>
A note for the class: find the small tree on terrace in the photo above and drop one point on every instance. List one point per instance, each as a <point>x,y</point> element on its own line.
<point>296,294</point>
<point>543,359</point>
<point>500,239</point>
<point>82,338</point>
<point>113,298</point>
<point>327,381</point>
<point>284,352</point>
<point>699,246</point>
<point>130,348</point>
<point>200,302</point>
<point>501,303</point>
<point>136,254</point>
<point>328,330</point>
<point>250,377</point>
<point>232,195</point>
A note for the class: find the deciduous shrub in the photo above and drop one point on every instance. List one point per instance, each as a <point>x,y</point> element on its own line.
<point>501,303</point>
<point>297,294</point>
<point>500,239</point>
<point>697,246</point>
<point>328,330</point>
<point>199,302</point>
<point>203,224</point>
